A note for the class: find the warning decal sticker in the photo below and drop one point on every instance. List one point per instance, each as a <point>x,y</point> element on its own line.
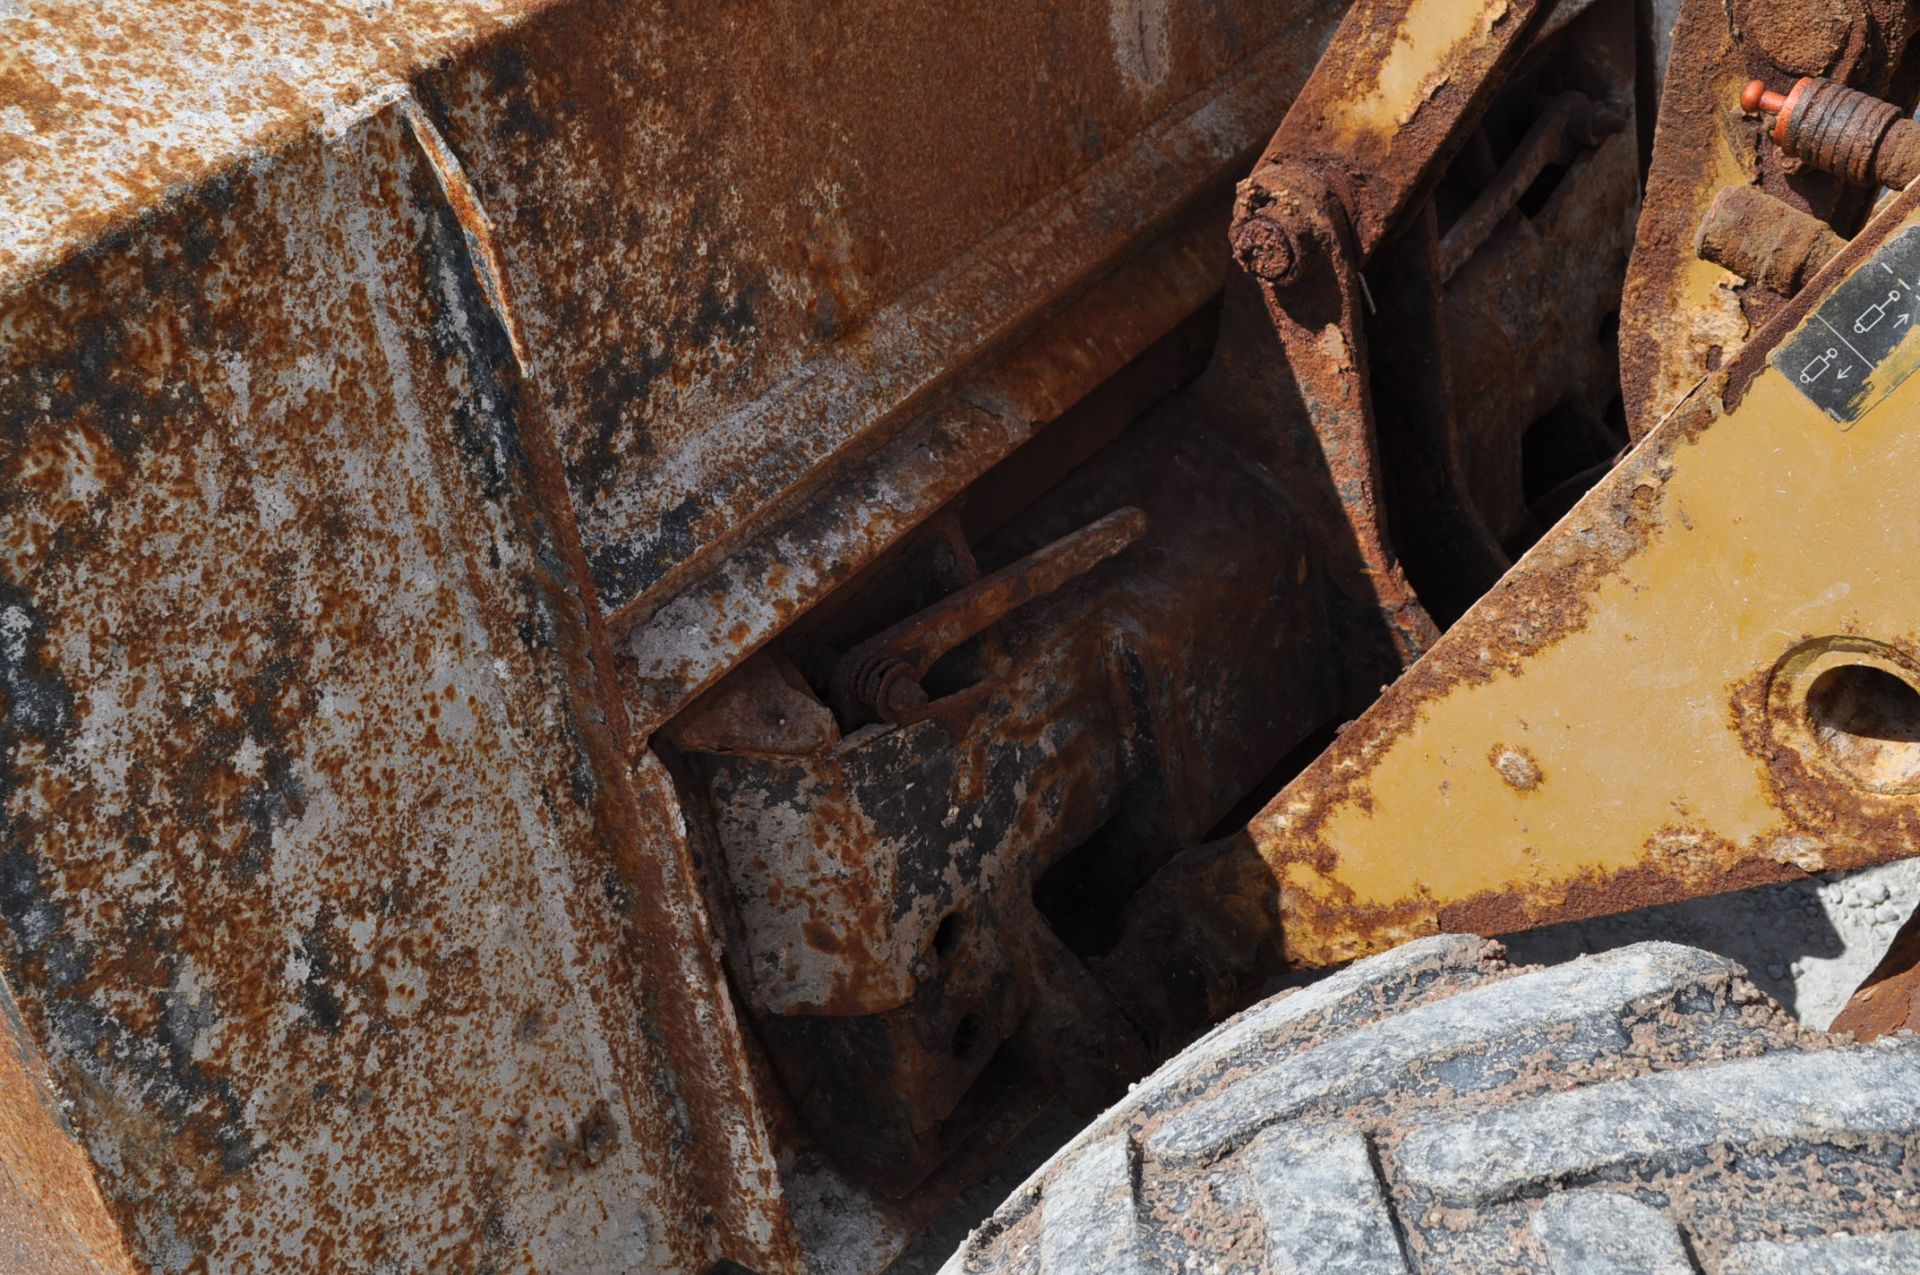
<point>1840,357</point>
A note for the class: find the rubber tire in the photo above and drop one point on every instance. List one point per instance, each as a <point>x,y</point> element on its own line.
<point>1430,1109</point>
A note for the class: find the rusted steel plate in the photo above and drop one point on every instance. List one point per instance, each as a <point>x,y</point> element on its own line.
<point>745,239</point>
<point>108,111</point>
<point>322,886</point>
<point>722,288</point>
<point>1385,107</point>
<point>1694,683</point>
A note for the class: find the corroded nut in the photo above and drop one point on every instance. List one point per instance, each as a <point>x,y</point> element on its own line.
<point>901,695</point>
<point>1266,248</point>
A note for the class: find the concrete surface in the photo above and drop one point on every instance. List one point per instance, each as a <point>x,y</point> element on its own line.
<point>1807,944</point>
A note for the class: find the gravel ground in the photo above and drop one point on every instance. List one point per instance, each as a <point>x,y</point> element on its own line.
<point>1807,944</point>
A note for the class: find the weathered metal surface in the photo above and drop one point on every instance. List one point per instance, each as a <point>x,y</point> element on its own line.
<point>915,906</point>
<point>106,114</point>
<point>727,290</point>
<point>1399,89</point>
<point>1714,583</point>
<point>321,888</point>
<point>1382,110</point>
<point>1417,420</point>
<point>747,294</point>
<point>922,915</point>
<point>1681,317</point>
<point>324,327</point>
<point>722,290</point>
<point>1503,381</point>
<point>1316,309</point>
<point>809,550</point>
<point>1507,349</point>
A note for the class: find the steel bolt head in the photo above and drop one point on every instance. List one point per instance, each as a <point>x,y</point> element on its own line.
<point>1265,248</point>
<point>901,695</point>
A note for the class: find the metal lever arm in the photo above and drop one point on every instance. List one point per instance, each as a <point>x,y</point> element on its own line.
<point>1398,89</point>
<point>883,673</point>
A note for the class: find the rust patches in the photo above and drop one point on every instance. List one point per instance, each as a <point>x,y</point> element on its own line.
<point>1516,766</point>
<point>1328,924</point>
<point>1338,175</point>
<point>885,888</point>
<point>1807,38</point>
<point>766,293</point>
<point>1683,863</point>
<point>1315,307</point>
<point>294,659</point>
<point>765,707</point>
<point>1530,610</point>
<point>1798,779</point>
<point>682,646</point>
<point>1831,804</point>
<point>1399,80</point>
<point>110,117</point>
<point>483,246</point>
<point>1888,1000</point>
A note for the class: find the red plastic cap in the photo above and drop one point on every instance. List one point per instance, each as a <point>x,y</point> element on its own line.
<point>1755,98</point>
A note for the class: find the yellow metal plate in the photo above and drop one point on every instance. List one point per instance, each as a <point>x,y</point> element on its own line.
<point>1695,682</point>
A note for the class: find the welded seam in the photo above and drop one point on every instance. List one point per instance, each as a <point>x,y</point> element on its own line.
<point>472,217</point>
<point>745,1145</point>
<point>551,491</point>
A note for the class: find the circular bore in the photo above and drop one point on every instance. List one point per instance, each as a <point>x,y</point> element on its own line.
<point>1851,707</point>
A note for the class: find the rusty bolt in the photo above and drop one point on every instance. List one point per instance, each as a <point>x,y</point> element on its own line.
<point>883,683</point>
<point>1265,248</point>
<point>901,694</point>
